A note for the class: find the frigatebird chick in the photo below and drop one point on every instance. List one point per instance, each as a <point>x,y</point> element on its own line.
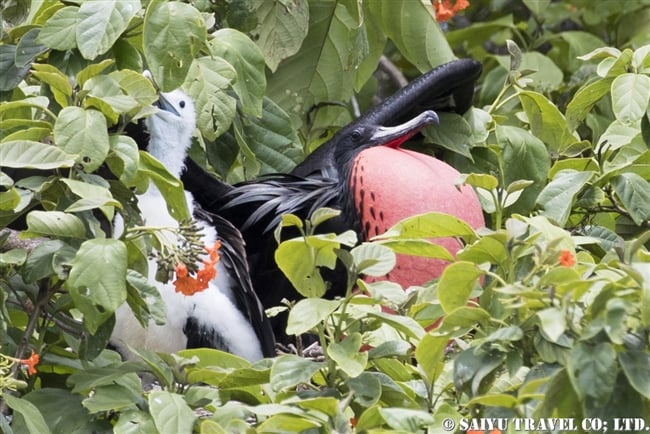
<point>226,315</point>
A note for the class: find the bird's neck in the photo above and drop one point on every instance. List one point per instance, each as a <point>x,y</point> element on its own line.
<point>169,145</point>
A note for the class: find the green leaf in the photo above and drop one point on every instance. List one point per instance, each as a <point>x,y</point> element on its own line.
<point>271,139</point>
<point>174,33</point>
<point>487,249</point>
<point>83,132</point>
<point>308,313</point>
<point>406,420</point>
<point>34,155</point>
<point>347,355</point>
<point>546,121</point>
<point>30,414</point>
<point>558,196</point>
<point>630,96</point>
<point>207,82</point>
<point>248,61</point>
<point>430,355</point>
<point>453,133</point>
<point>170,187</point>
<point>281,29</point>
<point>123,158</point>
<point>92,196</point>
<point>524,157</point>
<point>429,225</point>
<point>134,422</point>
<point>634,193</point>
<point>403,324</point>
<point>414,30</point>
<point>636,367</point>
<point>28,49</point>
<point>417,247</point>
<point>170,412</point>
<point>366,388</point>
<point>99,24</point>
<point>93,70</point>
<point>583,101</point>
<point>300,259</point>
<point>552,323</point>
<point>289,371</point>
<point>97,281</point>
<point>373,259</point>
<point>13,257</point>
<point>55,224</point>
<point>9,199</point>
<point>456,284</point>
<point>40,262</point>
<point>325,67</point>
<point>60,31</point>
<point>593,370</point>
<point>58,82</point>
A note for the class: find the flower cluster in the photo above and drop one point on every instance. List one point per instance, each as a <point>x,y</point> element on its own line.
<point>566,259</point>
<point>6,362</point>
<point>190,285</point>
<point>445,10</point>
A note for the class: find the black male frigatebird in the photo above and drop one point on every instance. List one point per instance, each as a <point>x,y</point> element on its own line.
<point>333,176</point>
<point>223,312</point>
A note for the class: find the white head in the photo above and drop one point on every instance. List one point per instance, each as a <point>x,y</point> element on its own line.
<point>170,129</point>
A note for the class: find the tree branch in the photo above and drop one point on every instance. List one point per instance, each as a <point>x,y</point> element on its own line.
<point>14,241</point>
<point>393,71</point>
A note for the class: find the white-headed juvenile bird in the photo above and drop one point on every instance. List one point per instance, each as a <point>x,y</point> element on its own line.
<point>227,315</point>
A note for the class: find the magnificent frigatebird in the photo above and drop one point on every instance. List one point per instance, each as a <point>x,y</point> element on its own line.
<point>332,176</point>
<point>226,314</point>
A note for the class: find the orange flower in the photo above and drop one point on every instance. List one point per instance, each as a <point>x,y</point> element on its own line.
<point>181,270</point>
<point>31,363</point>
<point>188,285</point>
<point>566,258</point>
<point>445,10</point>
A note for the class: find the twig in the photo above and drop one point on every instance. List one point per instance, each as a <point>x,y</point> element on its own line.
<point>393,71</point>
<point>14,241</point>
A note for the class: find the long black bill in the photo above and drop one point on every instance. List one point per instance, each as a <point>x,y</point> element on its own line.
<point>395,136</point>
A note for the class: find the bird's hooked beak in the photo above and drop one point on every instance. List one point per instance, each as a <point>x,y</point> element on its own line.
<point>162,103</point>
<point>394,136</point>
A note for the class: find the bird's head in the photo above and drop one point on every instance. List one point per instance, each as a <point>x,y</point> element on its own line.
<point>362,136</point>
<point>171,128</point>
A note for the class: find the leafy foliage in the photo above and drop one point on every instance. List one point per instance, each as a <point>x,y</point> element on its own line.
<point>545,313</point>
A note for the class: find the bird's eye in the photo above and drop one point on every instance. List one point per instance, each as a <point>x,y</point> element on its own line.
<point>182,104</point>
<point>356,135</point>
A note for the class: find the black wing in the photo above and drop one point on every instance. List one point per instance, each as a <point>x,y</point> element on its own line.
<point>233,257</point>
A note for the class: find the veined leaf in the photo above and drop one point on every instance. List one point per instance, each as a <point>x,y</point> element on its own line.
<point>209,78</point>
<point>281,29</point>
<point>634,193</point>
<point>309,312</point>
<point>97,281</point>
<point>55,224</point>
<point>100,23</point>
<point>170,187</point>
<point>248,61</point>
<point>170,412</point>
<point>412,26</point>
<point>83,132</point>
<point>456,284</point>
<point>546,121</point>
<point>559,194</point>
<point>630,96</point>
<point>173,34</point>
<point>60,31</point>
